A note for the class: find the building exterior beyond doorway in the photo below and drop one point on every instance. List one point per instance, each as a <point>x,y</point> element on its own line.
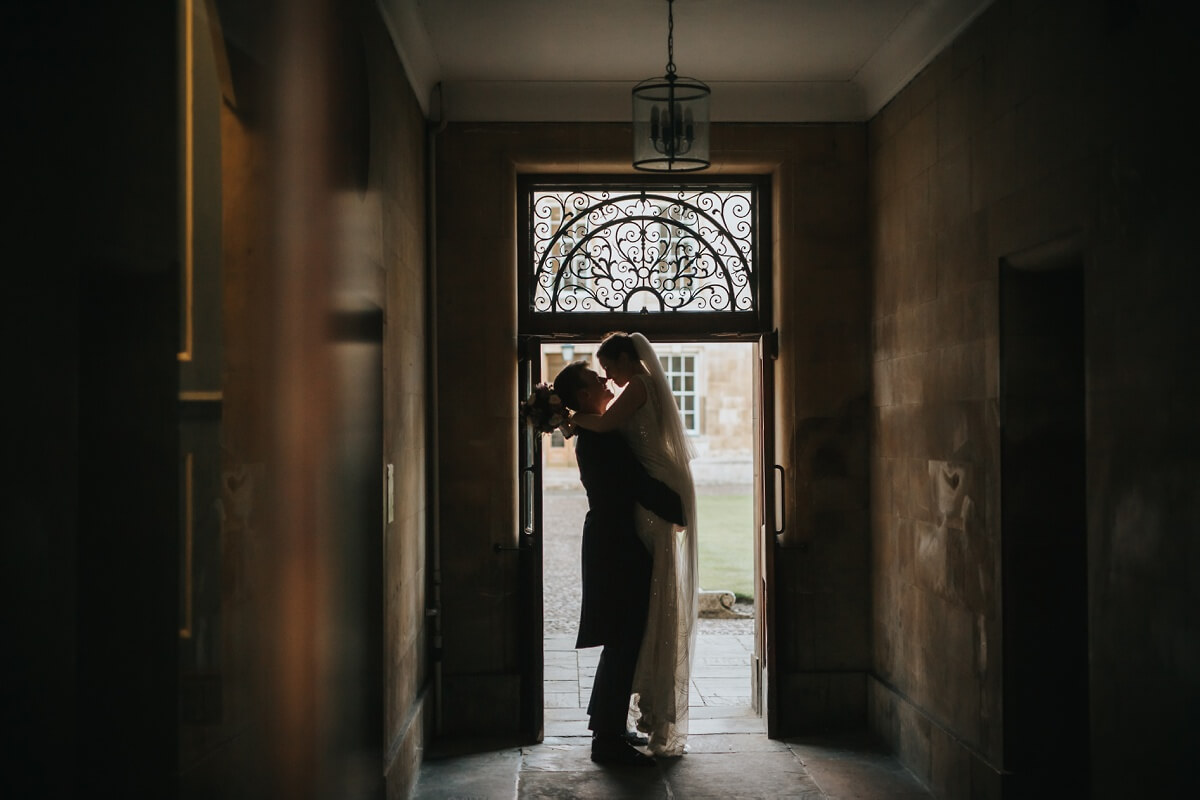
<point>713,387</point>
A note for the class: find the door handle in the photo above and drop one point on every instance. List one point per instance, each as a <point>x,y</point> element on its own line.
<point>525,537</point>
<point>527,474</point>
<point>781,497</point>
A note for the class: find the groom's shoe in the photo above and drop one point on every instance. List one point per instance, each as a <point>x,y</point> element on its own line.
<point>615,750</point>
<point>636,739</point>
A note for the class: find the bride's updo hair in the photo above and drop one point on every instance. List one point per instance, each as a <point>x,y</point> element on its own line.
<point>617,344</point>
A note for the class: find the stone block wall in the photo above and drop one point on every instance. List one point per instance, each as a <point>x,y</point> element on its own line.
<point>821,383</point>
<point>1043,127</point>
<point>819,245</point>
<point>724,403</point>
<point>395,215</point>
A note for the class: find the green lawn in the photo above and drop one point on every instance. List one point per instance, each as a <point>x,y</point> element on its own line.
<point>726,542</point>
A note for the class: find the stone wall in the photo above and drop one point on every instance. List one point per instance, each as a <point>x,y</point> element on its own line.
<point>398,180</point>
<point>725,375</point>
<point>821,378</point>
<point>323,647</point>
<point>819,236</point>
<point>1045,136</point>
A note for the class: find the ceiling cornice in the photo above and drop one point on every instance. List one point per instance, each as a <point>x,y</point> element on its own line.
<point>912,46</point>
<point>909,48</point>
<point>413,46</point>
<point>610,101</point>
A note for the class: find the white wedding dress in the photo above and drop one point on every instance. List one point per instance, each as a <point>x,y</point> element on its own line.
<point>663,675</point>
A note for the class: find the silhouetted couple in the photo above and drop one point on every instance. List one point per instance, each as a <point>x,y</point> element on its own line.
<point>639,549</point>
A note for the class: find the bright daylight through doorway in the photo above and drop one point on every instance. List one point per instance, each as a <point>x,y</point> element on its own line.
<point>713,385</point>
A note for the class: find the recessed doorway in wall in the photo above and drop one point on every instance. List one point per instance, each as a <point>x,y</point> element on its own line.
<point>1044,519</point>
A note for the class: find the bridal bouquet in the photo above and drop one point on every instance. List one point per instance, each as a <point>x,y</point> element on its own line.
<point>544,410</point>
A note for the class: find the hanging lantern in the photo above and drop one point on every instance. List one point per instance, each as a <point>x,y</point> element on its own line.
<point>670,118</point>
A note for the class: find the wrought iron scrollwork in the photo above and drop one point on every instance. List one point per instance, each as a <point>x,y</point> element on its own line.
<point>643,251</point>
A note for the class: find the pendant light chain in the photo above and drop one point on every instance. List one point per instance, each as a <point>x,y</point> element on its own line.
<point>670,39</point>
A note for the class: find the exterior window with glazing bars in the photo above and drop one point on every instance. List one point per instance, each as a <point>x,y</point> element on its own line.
<point>681,375</point>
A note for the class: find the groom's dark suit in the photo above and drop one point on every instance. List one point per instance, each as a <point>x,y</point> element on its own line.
<point>616,567</point>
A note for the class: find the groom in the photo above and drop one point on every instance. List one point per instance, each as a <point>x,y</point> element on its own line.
<point>616,565</point>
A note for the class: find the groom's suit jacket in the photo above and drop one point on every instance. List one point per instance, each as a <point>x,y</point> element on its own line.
<point>616,565</point>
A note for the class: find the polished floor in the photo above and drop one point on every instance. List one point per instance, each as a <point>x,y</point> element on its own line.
<point>729,755</point>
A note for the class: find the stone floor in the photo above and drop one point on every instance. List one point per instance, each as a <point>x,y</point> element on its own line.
<point>729,755</point>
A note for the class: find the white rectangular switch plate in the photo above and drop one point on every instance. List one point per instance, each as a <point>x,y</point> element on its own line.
<point>391,493</point>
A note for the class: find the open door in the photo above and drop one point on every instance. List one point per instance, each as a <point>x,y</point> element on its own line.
<point>529,372</point>
<point>768,519</point>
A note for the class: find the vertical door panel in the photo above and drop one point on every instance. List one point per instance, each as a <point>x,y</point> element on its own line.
<point>766,693</point>
<point>529,539</point>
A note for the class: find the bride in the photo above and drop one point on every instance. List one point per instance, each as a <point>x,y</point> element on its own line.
<point>646,414</point>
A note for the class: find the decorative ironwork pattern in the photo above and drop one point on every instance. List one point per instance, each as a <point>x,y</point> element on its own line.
<point>645,251</point>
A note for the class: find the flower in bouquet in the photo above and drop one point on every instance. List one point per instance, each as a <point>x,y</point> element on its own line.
<point>543,410</point>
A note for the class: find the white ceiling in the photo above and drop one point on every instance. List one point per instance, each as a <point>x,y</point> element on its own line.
<point>576,60</point>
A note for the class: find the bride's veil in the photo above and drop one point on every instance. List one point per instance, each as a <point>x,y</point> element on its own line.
<point>679,447</point>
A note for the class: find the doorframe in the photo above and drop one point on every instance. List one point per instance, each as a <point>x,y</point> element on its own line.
<point>536,330</point>
<point>1024,663</point>
<point>529,550</point>
<point>768,527</point>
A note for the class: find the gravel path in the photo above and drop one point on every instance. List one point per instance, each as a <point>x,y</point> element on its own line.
<point>562,529</point>
<point>563,511</point>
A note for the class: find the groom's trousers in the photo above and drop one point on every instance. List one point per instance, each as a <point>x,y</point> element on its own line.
<point>609,704</point>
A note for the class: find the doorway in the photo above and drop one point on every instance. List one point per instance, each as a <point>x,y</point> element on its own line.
<point>1044,535</point>
<point>713,384</point>
<point>688,266</point>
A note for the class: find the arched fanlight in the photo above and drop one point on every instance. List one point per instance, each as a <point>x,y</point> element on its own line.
<point>670,118</point>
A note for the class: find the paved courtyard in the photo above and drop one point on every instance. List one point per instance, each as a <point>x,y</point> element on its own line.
<point>719,695</point>
<point>721,669</point>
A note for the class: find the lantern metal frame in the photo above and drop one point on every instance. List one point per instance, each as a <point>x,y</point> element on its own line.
<point>670,118</point>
